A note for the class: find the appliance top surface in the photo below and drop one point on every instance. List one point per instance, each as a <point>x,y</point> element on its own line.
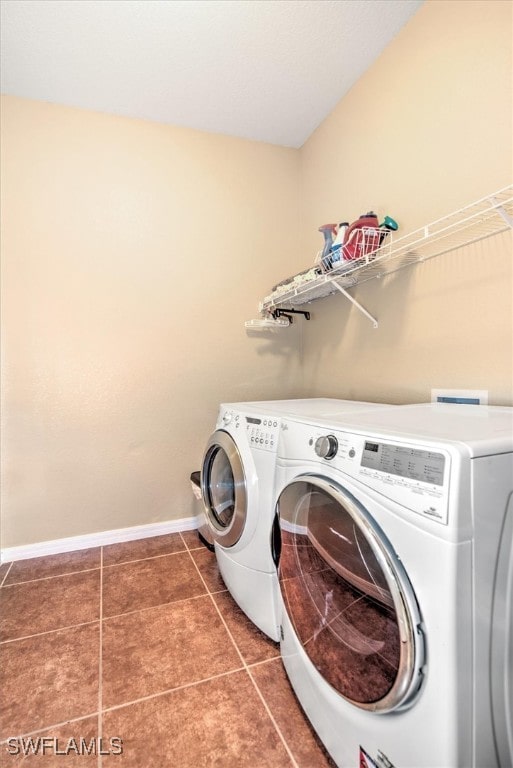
<point>318,407</point>
<point>483,429</point>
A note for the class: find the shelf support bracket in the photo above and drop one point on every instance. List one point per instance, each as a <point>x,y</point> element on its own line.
<point>356,303</point>
<point>502,212</point>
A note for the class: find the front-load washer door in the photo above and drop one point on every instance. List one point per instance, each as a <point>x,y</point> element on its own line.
<point>349,600</point>
<point>223,487</point>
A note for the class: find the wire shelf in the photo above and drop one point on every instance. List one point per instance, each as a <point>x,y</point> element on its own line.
<point>380,254</point>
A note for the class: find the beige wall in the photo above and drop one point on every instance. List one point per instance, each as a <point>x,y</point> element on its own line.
<point>132,254</point>
<point>425,131</point>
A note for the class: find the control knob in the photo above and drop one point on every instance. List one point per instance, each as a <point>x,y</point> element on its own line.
<point>227,417</point>
<point>326,446</point>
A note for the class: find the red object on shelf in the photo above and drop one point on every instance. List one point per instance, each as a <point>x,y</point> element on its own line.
<point>361,238</point>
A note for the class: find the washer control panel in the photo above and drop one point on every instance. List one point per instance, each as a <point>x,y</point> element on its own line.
<point>414,476</point>
<point>262,432</point>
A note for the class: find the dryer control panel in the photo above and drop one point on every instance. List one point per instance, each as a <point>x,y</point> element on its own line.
<point>400,460</point>
<point>414,476</point>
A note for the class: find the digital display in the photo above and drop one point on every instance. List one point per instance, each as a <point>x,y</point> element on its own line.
<point>253,420</point>
<point>399,460</point>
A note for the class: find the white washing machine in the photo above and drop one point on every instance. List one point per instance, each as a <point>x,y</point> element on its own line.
<point>396,576</point>
<point>237,483</point>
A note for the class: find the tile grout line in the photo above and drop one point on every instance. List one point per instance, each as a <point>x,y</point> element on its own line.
<point>125,704</point>
<point>155,607</point>
<point>219,612</point>
<point>100,663</point>
<point>51,576</point>
<point>49,631</point>
<point>99,620</point>
<point>272,719</point>
<point>6,574</point>
<point>264,661</point>
<point>87,570</point>
<point>210,593</point>
<point>247,670</point>
<point>206,594</point>
<point>167,691</point>
<point>52,727</point>
<point>143,559</point>
<point>108,618</point>
<point>100,650</point>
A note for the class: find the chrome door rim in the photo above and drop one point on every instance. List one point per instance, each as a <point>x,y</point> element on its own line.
<point>412,651</point>
<point>229,535</point>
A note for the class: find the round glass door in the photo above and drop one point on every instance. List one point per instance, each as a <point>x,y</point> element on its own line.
<point>347,595</point>
<point>223,486</point>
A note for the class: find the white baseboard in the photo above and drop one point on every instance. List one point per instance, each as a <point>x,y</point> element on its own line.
<point>102,538</point>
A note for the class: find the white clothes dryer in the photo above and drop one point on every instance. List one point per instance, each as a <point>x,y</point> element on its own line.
<point>395,564</point>
<point>237,483</point>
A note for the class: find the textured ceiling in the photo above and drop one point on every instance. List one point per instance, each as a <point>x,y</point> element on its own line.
<point>269,70</point>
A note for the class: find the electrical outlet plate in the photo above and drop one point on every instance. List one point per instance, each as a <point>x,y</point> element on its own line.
<point>460,396</point>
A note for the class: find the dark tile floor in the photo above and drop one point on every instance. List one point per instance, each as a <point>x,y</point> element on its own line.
<point>140,641</point>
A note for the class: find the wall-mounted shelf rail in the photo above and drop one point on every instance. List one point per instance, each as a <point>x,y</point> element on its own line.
<point>486,217</point>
